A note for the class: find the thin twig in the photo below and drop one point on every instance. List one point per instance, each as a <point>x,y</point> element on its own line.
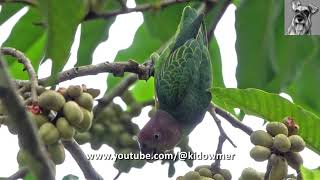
<point>139,8</point>
<point>79,156</point>
<point>26,2</point>
<point>222,8</point>
<point>28,66</point>
<point>117,176</point>
<point>222,138</point>
<point>233,121</point>
<point>20,174</point>
<point>26,130</point>
<point>269,166</point>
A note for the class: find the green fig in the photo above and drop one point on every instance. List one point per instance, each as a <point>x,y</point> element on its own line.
<point>40,119</point>
<point>49,133</point>
<point>294,159</point>
<point>73,113</point>
<point>226,174</point>
<point>275,128</point>
<point>86,123</point>
<point>51,100</point>
<point>192,175</point>
<point>205,172</point>
<point>57,153</point>
<point>279,168</point>
<point>85,100</point>
<point>281,143</point>
<point>250,174</point>
<point>297,143</point>
<point>260,153</point>
<point>218,177</point>
<point>261,138</point>
<point>74,91</point>
<point>82,138</point>
<point>65,129</point>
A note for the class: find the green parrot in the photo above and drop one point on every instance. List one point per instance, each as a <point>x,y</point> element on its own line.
<point>183,78</point>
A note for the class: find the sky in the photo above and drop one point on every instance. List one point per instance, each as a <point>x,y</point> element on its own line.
<point>203,139</point>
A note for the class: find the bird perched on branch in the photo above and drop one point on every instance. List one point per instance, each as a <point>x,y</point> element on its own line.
<point>183,78</point>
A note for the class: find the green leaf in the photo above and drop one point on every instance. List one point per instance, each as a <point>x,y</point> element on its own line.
<point>305,89</point>
<point>29,176</point>
<point>236,2</point>
<point>290,52</point>
<point>310,174</point>
<point>143,90</point>
<point>143,45</point>
<point>8,10</point>
<point>216,63</point>
<point>63,18</point>
<point>70,177</point>
<point>165,18</point>
<point>93,32</point>
<point>253,44</point>
<point>27,38</point>
<point>272,107</point>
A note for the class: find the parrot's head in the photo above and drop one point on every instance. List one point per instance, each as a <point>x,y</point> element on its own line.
<point>160,134</point>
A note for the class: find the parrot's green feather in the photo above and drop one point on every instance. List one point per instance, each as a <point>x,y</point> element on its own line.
<point>183,72</point>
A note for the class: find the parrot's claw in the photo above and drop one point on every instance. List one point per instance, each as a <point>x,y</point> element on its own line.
<point>149,65</point>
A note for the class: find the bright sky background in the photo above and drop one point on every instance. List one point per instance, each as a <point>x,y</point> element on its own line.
<point>203,139</point>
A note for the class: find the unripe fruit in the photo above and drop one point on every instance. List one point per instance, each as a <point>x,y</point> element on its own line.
<point>152,112</point>
<point>125,117</point>
<point>297,143</point>
<point>279,168</point>
<point>63,92</point>
<point>40,119</point>
<point>117,108</point>
<point>85,100</point>
<point>116,129</point>
<point>202,166</point>
<point>57,153</point>
<point>65,129</point>
<point>74,91</point>
<point>51,100</point>
<point>260,153</point>
<point>138,163</point>
<point>85,124</point>
<point>72,113</point>
<point>40,89</point>
<point>218,177</point>
<point>226,174</point>
<point>127,97</point>
<point>205,172</point>
<point>98,129</point>
<point>250,174</point>
<point>49,133</point>
<point>281,143</point>
<point>261,138</point>
<point>294,159</point>
<point>192,175</point>
<point>93,92</point>
<point>275,128</point>
<point>82,138</point>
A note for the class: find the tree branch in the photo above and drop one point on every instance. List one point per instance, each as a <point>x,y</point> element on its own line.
<point>223,136</point>
<point>88,171</point>
<point>233,121</point>
<point>26,130</point>
<point>28,66</point>
<point>139,8</point>
<point>20,174</point>
<point>222,5</point>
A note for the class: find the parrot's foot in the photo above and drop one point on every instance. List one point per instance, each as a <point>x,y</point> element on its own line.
<point>149,65</point>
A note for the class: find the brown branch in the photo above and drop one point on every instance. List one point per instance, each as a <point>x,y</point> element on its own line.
<point>28,66</point>
<point>233,121</point>
<point>223,135</point>
<point>222,5</point>
<point>139,8</point>
<point>26,2</point>
<point>26,130</point>
<point>79,156</point>
<point>20,174</point>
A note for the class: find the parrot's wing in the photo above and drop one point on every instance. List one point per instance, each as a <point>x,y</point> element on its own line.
<point>176,74</point>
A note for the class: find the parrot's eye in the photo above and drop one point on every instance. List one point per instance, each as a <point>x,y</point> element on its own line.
<point>156,136</point>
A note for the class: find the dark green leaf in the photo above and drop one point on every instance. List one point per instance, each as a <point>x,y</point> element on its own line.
<point>162,23</point>
<point>272,107</point>
<point>310,174</point>
<point>27,38</point>
<point>93,32</point>
<point>253,27</point>
<point>63,18</point>
<point>8,10</point>
<point>144,44</point>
